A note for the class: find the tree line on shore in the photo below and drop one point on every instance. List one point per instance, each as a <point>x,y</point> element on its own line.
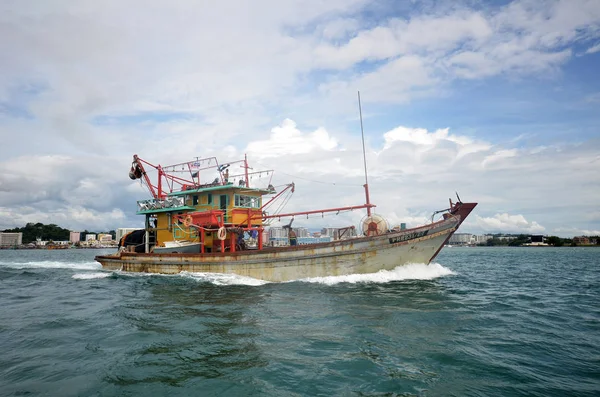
<point>52,232</point>
<point>522,239</point>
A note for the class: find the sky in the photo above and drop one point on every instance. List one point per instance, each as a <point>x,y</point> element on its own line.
<point>496,100</point>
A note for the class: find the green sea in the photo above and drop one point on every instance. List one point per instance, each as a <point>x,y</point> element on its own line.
<point>477,322</point>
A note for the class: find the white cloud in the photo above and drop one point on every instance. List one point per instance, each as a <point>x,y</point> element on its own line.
<point>577,232</point>
<point>412,174</point>
<point>122,59</point>
<point>523,38</point>
<point>286,139</point>
<point>508,224</point>
<point>593,49</point>
<point>86,85</point>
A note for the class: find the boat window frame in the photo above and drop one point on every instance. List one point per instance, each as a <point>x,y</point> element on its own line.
<point>254,201</point>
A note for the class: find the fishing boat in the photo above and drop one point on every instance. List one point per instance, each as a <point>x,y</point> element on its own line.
<point>218,226</point>
<point>224,221</point>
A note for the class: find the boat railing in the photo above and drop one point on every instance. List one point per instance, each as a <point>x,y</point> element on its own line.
<point>157,204</point>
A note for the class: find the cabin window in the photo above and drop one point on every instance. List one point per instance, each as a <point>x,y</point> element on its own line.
<point>195,200</point>
<point>247,201</point>
<point>209,198</point>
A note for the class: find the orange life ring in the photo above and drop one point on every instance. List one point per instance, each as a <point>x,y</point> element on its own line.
<point>222,233</point>
<point>187,221</point>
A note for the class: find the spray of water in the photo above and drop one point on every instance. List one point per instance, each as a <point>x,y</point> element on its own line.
<point>90,276</point>
<point>53,265</point>
<point>414,271</point>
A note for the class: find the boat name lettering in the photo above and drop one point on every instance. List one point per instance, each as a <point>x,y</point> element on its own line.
<point>408,236</point>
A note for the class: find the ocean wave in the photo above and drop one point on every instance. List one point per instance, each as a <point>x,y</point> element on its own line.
<point>413,271</point>
<point>90,276</point>
<point>224,278</point>
<point>53,265</point>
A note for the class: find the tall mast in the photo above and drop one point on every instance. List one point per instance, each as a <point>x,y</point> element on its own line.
<point>362,132</point>
<point>246,169</point>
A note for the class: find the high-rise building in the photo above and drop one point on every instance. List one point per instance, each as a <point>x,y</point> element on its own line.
<point>301,232</point>
<point>75,237</point>
<point>330,231</point>
<point>123,231</point>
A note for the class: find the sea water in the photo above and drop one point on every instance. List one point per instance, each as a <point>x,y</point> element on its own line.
<point>476,322</point>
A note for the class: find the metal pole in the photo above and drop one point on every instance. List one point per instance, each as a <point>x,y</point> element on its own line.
<point>147,235</point>
<point>362,132</point>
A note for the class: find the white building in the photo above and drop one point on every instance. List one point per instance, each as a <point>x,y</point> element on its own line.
<point>301,232</point>
<point>90,237</point>
<point>460,238</point>
<point>123,231</point>
<point>277,232</point>
<point>330,231</point>
<point>75,237</point>
<point>480,239</point>
<point>278,236</point>
<point>10,239</point>
<point>104,238</point>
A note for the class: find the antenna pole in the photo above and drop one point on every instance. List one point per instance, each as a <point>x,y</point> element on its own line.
<point>246,169</point>
<point>362,132</point>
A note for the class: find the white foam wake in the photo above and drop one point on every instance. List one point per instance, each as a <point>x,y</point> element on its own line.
<point>90,276</point>
<point>54,265</point>
<point>413,271</point>
<point>224,278</point>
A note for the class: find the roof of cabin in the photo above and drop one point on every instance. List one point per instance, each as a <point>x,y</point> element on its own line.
<point>158,210</point>
<point>212,188</point>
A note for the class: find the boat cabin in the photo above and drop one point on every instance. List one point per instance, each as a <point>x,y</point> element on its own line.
<point>200,213</point>
<point>189,215</point>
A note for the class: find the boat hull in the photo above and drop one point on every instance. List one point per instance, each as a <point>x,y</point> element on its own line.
<point>352,256</point>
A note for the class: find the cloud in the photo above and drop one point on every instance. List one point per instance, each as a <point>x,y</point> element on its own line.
<point>593,49</point>
<point>413,55</point>
<point>415,170</point>
<point>509,224</point>
<point>286,139</point>
<point>88,85</point>
<point>577,232</point>
<point>72,192</point>
<point>411,174</point>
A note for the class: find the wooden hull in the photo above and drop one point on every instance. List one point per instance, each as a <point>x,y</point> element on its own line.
<point>358,255</point>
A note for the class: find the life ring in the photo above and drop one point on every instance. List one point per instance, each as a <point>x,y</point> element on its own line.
<point>187,221</point>
<point>222,233</point>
